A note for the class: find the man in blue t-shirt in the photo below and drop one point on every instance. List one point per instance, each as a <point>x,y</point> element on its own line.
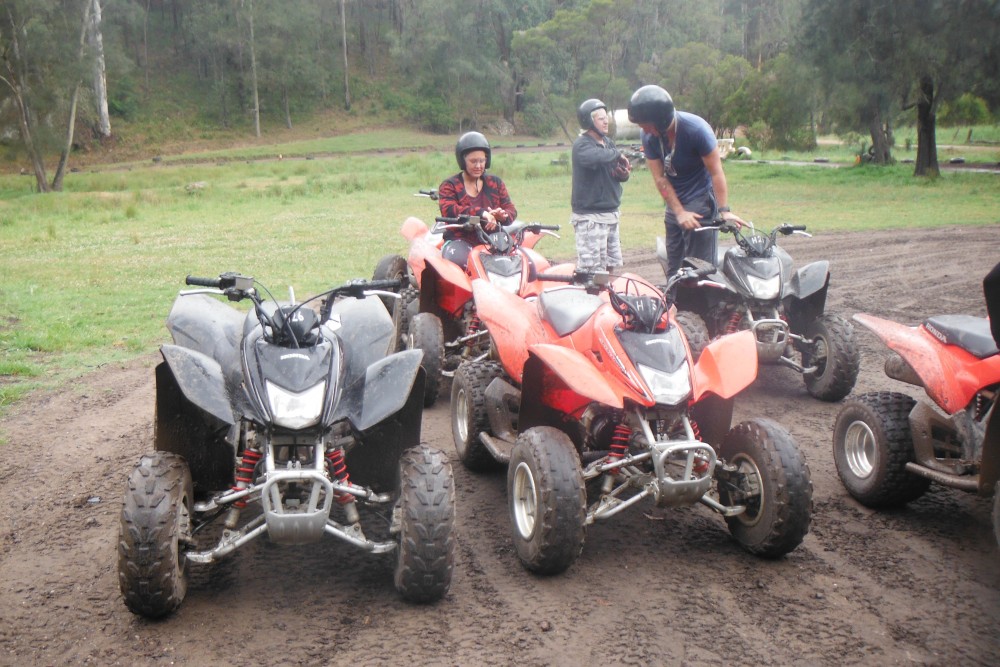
<point>683,156</point>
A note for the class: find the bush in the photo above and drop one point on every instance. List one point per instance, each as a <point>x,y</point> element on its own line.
<point>966,110</point>
<point>537,121</point>
<point>758,134</point>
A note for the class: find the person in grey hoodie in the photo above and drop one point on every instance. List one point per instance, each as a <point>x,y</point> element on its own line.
<point>599,169</point>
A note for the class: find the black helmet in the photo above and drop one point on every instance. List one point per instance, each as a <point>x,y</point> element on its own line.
<point>583,114</point>
<point>471,141</point>
<point>651,105</point>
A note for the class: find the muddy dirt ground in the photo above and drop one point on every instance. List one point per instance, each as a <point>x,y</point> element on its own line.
<point>919,585</point>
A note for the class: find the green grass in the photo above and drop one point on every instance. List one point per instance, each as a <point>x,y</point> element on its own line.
<point>88,274</point>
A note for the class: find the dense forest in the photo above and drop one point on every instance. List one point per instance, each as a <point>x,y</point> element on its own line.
<point>780,71</point>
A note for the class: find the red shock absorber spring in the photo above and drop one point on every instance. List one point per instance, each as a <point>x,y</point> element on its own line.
<point>619,442</point>
<point>474,326</point>
<point>337,466</point>
<point>244,473</point>
<point>734,322</point>
<point>700,464</point>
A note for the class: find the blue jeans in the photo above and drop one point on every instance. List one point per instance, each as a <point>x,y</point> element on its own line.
<point>683,243</point>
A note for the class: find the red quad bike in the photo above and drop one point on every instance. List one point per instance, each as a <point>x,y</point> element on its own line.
<point>596,403</point>
<point>436,313</point>
<point>756,287</point>
<point>888,447</point>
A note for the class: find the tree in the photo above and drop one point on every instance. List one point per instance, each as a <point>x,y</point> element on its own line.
<point>878,56</point>
<point>44,57</point>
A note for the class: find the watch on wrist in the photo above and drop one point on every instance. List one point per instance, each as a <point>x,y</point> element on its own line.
<point>725,209</point>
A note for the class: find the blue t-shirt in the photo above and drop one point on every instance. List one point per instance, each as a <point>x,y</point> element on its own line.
<point>695,139</point>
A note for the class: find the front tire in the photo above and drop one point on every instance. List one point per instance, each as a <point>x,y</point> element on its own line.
<point>426,333</point>
<point>871,447</point>
<point>773,483</point>
<point>426,554</point>
<point>469,414</point>
<point>155,522</point>
<point>547,500</point>
<point>835,354</point>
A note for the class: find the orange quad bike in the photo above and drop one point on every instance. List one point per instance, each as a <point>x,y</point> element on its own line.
<point>435,312</point>
<point>596,403</point>
<point>889,447</point>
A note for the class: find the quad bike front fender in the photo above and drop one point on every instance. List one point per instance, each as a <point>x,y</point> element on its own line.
<point>727,366</point>
<point>950,375</point>
<point>384,389</point>
<point>413,228</point>
<point>201,381</point>
<point>580,377</point>
<point>805,293</point>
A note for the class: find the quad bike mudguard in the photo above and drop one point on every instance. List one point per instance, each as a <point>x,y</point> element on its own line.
<point>805,293</point>
<point>950,375</point>
<point>201,381</point>
<point>727,366</point>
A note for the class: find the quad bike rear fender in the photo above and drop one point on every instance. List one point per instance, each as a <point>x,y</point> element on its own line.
<point>513,324</point>
<point>445,287</point>
<point>950,375</point>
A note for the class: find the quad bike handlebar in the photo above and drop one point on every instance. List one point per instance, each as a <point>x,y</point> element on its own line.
<point>287,328</point>
<point>641,310</point>
<point>754,243</point>
<point>503,240</point>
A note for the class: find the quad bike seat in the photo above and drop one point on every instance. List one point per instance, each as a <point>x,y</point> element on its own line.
<point>567,308</point>
<point>972,334</point>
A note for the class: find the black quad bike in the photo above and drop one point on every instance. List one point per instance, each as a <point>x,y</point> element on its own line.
<point>286,422</point>
<point>755,287</point>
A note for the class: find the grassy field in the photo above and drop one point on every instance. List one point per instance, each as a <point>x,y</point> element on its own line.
<point>88,275</point>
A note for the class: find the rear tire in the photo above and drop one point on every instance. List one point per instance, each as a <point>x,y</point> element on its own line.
<point>470,415</point>
<point>426,555</point>
<point>408,305</point>
<point>871,447</point>
<point>835,353</point>
<point>547,500</point>
<point>426,333</point>
<point>696,332</point>
<point>390,267</point>
<point>996,512</point>
<point>775,486</point>
<point>155,522</point>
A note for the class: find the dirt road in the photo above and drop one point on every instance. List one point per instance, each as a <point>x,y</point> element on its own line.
<point>920,585</point>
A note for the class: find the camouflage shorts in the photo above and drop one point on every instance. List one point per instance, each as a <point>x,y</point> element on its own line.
<point>597,243</point>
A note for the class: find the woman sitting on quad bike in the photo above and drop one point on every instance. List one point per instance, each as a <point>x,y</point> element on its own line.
<point>473,192</point>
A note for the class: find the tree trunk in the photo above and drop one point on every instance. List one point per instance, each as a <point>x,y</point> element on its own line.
<point>57,179</point>
<point>253,78</point>
<point>288,112</point>
<point>880,141</point>
<point>145,47</point>
<point>96,40</point>
<point>343,39</point>
<point>927,161</point>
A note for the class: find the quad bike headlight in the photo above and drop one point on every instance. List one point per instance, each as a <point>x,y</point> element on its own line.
<point>668,387</point>
<point>765,288</point>
<point>506,283</point>
<point>295,410</point>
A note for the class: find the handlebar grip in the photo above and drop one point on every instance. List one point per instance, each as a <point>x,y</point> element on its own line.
<point>384,284</point>
<point>557,277</point>
<point>798,228</point>
<point>203,282</point>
